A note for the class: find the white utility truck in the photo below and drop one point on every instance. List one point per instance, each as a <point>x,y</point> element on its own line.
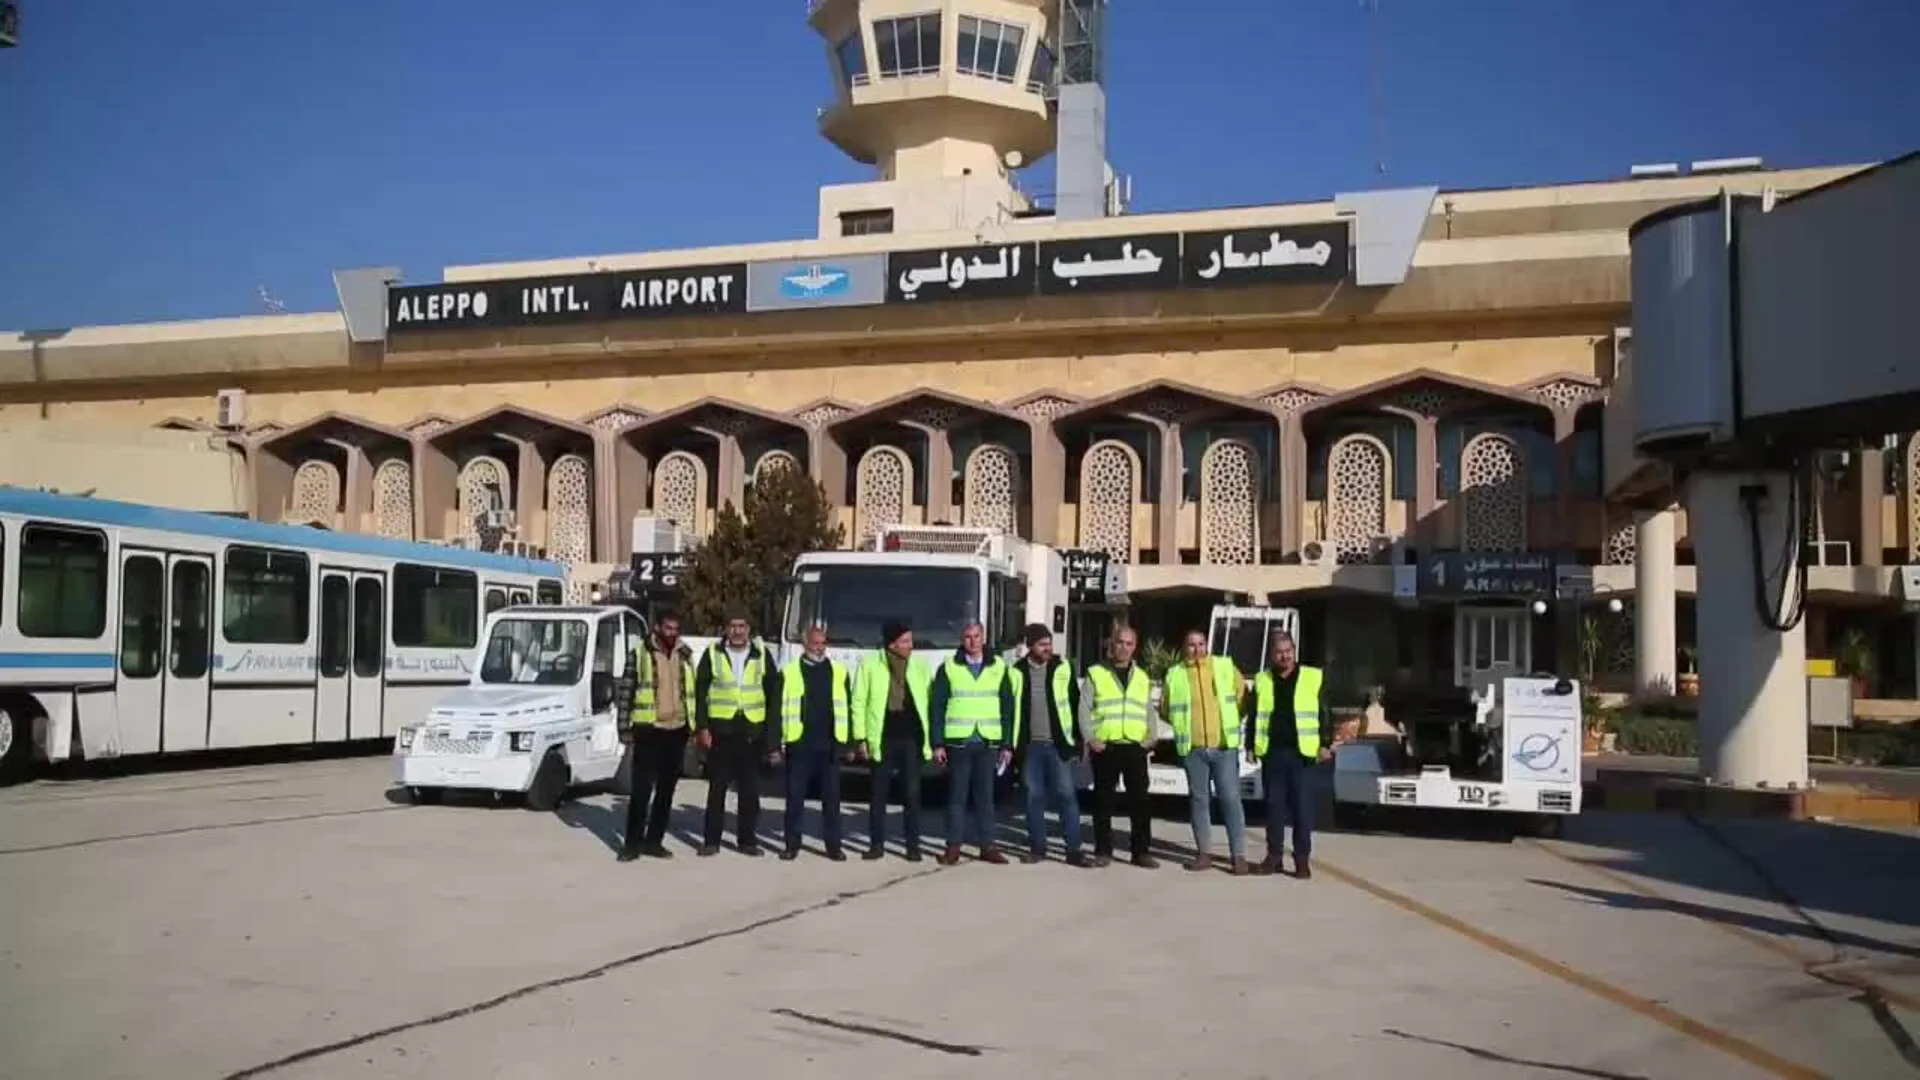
<point>935,578</point>
<point>1514,750</point>
<point>537,719</point>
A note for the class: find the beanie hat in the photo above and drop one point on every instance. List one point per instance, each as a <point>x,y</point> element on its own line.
<point>1037,633</point>
<point>892,631</point>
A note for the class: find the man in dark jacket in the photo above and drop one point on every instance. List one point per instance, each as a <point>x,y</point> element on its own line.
<point>972,728</point>
<point>1046,708</point>
<point>736,694</point>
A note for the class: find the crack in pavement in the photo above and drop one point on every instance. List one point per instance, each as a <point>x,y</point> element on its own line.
<point>923,1043</point>
<point>1503,1059</point>
<point>531,989</point>
<point>186,829</point>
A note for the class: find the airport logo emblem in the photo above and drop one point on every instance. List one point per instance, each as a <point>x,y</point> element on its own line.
<point>1540,753</point>
<point>816,282</point>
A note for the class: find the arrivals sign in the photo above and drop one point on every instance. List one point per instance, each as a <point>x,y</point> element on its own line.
<point>622,294</point>
<point>1493,574</point>
<point>848,281</point>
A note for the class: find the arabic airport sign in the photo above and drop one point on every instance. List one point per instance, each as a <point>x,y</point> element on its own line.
<point>797,284</point>
<point>1511,574</point>
<point>624,294</point>
<point>658,571</point>
<point>1109,264</point>
<point>991,272</point>
<point>1275,255</point>
<point>1086,575</point>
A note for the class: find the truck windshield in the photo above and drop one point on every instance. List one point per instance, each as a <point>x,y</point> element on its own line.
<point>535,652</point>
<point>855,602</point>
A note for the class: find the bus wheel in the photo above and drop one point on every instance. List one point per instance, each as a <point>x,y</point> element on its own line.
<point>549,785</point>
<point>16,742</point>
<point>425,796</point>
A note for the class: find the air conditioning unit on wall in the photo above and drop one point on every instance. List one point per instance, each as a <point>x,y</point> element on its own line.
<point>1318,553</point>
<point>230,410</point>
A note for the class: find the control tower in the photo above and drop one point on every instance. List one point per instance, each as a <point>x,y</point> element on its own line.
<point>946,98</point>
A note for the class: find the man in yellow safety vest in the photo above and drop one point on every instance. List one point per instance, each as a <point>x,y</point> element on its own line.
<point>815,730</point>
<point>890,721</point>
<point>972,727</point>
<point>1284,738</point>
<point>735,690</point>
<point>1116,718</point>
<point>1202,702</point>
<point>657,695</point>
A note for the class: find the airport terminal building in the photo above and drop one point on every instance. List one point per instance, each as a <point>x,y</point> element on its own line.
<point>1390,409</point>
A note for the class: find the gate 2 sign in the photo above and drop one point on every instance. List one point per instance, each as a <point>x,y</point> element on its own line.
<point>659,571</point>
<point>1514,574</point>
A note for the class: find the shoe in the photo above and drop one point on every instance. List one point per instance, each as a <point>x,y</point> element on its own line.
<point>1270,865</point>
<point>950,856</point>
<point>1032,857</point>
<point>1101,862</point>
<point>708,851</point>
<point>1077,860</point>
<point>789,854</point>
<point>874,853</point>
<point>656,851</point>
<point>1302,870</point>
<point>1146,861</point>
<point>1240,868</point>
<point>837,855</point>
<point>914,854</point>
<point>1200,863</point>
<point>626,856</point>
<point>752,851</point>
<point>993,857</point>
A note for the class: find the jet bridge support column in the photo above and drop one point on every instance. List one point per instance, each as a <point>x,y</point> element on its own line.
<point>1753,697</point>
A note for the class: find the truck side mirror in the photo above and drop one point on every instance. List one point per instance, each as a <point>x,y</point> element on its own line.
<point>600,690</point>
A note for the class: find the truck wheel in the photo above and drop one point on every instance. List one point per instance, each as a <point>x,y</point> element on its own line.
<point>16,742</point>
<point>1545,826</point>
<point>425,796</point>
<point>549,785</point>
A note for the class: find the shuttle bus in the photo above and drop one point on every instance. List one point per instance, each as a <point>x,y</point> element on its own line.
<point>135,630</point>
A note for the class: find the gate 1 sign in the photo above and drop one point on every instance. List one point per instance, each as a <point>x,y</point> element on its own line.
<point>1509,574</point>
<point>1086,575</point>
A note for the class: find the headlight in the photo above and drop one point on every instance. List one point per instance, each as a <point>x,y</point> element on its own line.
<point>406,737</point>
<point>521,742</point>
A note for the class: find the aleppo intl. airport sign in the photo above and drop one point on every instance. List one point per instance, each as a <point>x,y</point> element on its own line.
<point>1317,253</point>
<point>622,294</point>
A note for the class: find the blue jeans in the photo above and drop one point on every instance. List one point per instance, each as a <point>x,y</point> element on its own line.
<point>1220,770</point>
<point>970,780</point>
<point>1288,778</point>
<point>1048,779</point>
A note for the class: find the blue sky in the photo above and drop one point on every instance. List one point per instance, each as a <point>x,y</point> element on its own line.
<point>165,160</point>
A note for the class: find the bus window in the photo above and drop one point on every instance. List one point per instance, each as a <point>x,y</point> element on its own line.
<point>496,599</point>
<point>63,575</point>
<point>369,633</point>
<point>336,625</point>
<point>192,647</point>
<point>267,594</point>
<point>435,609</point>
<point>550,592</point>
<point>142,611</point>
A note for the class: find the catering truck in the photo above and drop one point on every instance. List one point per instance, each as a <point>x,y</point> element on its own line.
<point>537,718</point>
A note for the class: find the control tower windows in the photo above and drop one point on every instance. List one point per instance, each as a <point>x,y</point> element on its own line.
<point>866,222</point>
<point>852,54</point>
<point>990,49</point>
<point>907,46</point>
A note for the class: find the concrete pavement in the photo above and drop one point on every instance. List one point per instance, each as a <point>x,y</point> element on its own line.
<point>290,921</point>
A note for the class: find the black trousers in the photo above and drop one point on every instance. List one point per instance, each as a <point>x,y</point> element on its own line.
<point>654,758</point>
<point>734,762</point>
<point>899,758</point>
<point>1121,762</point>
<point>805,764</point>
<point>1288,780</point>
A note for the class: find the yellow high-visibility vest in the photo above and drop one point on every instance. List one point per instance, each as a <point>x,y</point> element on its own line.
<point>1121,714</point>
<point>973,701</point>
<point>1180,705</point>
<point>871,691</point>
<point>747,697</point>
<point>1306,711</point>
<point>793,696</point>
<point>1059,689</point>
